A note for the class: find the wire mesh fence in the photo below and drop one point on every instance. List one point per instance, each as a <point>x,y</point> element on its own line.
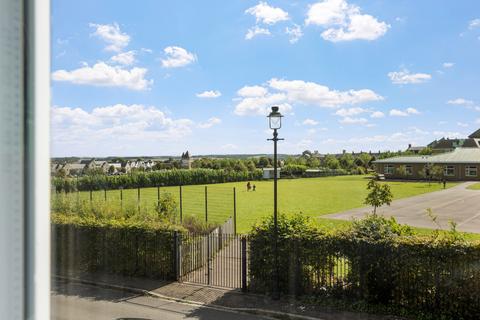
<point>201,202</point>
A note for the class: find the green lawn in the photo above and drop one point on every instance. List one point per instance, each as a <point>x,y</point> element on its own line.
<point>475,186</point>
<point>313,196</point>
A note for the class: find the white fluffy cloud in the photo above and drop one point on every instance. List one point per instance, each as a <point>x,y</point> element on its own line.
<point>257,99</point>
<point>102,74</point>
<point>176,57</point>
<point>110,33</point>
<point>104,127</point>
<point>267,14</point>
<point>209,123</point>
<point>461,102</point>
<point>377,114</point>
<point>403,113</point>
<point>209,94</point>
<point>255,31</point>
<point>447,65</point>
<point>252,91</point>
<point>294,32</point>
<point>344,21</point>
<point>475,23</point>
<point>310,122</point>
<point>350,120</point>
<point>350,111</point>
<point>405,77</point>
<point>125,58</point>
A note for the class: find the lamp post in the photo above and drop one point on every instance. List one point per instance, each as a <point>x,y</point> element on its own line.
<point>275,123</point>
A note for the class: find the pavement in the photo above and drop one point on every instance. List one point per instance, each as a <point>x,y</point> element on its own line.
<point>125,296</point>
<point>457,204</point>
<point>88,302</point>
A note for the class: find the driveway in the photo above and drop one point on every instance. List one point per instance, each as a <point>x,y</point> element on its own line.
<point>457,203</point>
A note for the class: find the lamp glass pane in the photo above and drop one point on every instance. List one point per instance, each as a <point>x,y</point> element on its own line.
<point>275,122</point>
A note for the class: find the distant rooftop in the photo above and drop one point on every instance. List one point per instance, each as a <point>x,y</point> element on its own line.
<point>459,155</point>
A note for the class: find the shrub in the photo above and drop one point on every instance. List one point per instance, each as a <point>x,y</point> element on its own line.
<point>377,261</point>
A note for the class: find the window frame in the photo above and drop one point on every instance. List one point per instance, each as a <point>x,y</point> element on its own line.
<point>467,171</point>
<point>446,169</point>
<point>409,169</point>
<point>387,167</point>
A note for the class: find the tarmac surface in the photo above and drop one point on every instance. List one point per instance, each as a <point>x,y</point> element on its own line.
<point>457,204</point>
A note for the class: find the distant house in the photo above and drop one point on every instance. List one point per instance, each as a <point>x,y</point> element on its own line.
<point>186,160</point>
<point>415,149</point>
<point>459,164</point>
<point>268,173</point>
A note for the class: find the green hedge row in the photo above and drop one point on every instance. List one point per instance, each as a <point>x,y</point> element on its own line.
<point>153,179</point>
<point>129,251</point>
<point>434,277</point>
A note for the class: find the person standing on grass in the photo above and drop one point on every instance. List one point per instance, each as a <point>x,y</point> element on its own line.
<point>249,186</point>
<point>444,183</point>
<point>254,187</point>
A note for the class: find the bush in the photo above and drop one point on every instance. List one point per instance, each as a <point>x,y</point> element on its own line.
<point>376,261</point>
<point>293,170</point>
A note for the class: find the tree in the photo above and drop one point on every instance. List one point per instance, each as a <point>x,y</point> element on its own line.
<point>347,161</point>
<point>378,195</point>
<point>331,162</point>
<point>402,171</point>
<point>264,162</point>
<point>436,172</point>
<point>426,151</point>
<point>111,170</point>
<point>366,159</point>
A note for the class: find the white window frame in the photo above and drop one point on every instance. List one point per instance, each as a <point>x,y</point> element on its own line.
<point>24,123</point>
<point>409,169</point>
<point>446,168</point>
<point>468,172</point>
<point>388,169</point>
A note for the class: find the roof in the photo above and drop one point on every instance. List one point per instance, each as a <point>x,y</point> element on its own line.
<point>453,143</point>
<point>419,148</point>
<point>475,135</point>
<point>459,155</point>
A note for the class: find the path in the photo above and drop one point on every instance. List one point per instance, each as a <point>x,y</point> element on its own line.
<point>457,203</point>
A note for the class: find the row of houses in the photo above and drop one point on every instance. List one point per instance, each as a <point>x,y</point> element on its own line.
<point>85,165</point>
<point>458,158</point>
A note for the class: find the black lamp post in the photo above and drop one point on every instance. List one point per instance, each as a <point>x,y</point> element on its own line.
<point>275,123</point>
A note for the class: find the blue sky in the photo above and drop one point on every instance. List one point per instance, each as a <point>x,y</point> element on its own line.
<point>158,78</point>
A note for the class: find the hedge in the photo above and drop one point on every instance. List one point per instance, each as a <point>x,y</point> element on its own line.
<point>130,251</point>
<point>434,277</point>
<point>173,177</point>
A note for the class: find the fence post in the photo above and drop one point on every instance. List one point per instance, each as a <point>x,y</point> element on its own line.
<point>176,255</point>
<point>105,194</point>
<point>181,205</point>
<point>206,204</point>
<point>158,195</point>
<point>121,198</point>
<point>234,211</point>
<point>208,259</point>
<point>91,195</point>
<point>138,198</point>
<point>244,263</point>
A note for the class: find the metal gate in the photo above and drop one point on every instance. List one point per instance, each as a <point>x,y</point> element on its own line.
<point>215,259</point>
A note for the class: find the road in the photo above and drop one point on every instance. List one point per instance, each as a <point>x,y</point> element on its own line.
<point>80,302</point>
<point>458,204</point>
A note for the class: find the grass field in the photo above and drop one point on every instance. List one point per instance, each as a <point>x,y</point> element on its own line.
<point>475,186</point>
<point>313,196</point>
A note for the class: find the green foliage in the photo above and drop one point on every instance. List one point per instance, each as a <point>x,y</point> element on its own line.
<point>402,171</point>
<point>377,262</point>
<point>426,151</point>
<point>293,170</point>
<point>129,250</point>
<point>167,207</point>
<point>436,172</point>
<point>376,228</point>
<point>153,179</point>
<point>378,195</point>
<point>331,162</point>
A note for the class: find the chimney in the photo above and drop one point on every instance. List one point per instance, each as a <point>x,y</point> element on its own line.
<point>409,145</point>
<point>344,151</point>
